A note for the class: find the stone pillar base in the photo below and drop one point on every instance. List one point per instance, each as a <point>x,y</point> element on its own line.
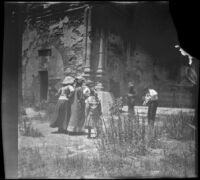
<point>106,101</point>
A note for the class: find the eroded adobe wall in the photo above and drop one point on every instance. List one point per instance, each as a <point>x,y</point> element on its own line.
<point>64,37</point>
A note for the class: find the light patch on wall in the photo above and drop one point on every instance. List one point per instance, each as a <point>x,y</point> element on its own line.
<point>70,38</point>
<point>29,37</point>
<point>55,64</point>
<point>59,24</point>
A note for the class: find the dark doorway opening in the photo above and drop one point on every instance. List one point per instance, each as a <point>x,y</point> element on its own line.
<point>43,85</point>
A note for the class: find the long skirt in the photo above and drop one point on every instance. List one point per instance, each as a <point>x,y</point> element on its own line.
<point>77,117</point>
<point>92,120</point>
<point>152,108</point>
<point>62,114</point>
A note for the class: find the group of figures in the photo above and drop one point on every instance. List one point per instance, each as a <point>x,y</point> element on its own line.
<point>78,109</point>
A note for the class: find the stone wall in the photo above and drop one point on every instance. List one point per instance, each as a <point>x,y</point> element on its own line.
<point>152,61</point>
<point>160,63</point>
<point>64,37</point>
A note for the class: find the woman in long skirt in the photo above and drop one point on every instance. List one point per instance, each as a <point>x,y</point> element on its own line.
<point>63,107</point>
<point>77,108</point>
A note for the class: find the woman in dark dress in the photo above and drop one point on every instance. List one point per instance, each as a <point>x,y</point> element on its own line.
<point>77,108</point>
<point>63,107</point>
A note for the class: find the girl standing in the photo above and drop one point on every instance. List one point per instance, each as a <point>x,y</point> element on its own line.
<point>93,113</point>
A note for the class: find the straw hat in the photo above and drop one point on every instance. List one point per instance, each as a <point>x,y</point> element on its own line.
<point>68,80</point>
<point>88,82</point>
<point>130,84</point>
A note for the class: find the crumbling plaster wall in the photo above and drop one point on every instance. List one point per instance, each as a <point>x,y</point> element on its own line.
<point>64,36</point>
<point>154,61</point>
<point>29,62</point>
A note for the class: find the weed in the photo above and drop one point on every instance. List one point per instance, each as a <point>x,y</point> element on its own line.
<point>26,128</point>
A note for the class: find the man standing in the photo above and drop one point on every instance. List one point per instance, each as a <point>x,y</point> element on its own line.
<point>131,98</point>
<point>151,99</point>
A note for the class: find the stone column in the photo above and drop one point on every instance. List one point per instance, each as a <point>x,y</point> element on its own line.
<point>85,35</point>
<point>100,67</point>
<point>88,43</point>
<point>103,93</point>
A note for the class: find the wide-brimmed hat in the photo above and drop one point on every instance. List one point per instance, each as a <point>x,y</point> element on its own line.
<point>130,84</point>
<point>68,80</point>
<point>88,82</point>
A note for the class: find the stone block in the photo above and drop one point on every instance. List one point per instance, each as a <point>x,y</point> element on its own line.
<point>106,100</point>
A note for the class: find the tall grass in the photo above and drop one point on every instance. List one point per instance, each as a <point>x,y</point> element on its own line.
<point>123,133</point>
<point>178,126</point>
<point>121,138</point>
<point>125,137</point>
<point>123,149</point>
<point>33,164</point>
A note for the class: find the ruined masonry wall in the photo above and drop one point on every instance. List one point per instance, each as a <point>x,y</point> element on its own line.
<point>64,36</point>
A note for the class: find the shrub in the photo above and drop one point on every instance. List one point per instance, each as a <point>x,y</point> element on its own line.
<point>26,128</point>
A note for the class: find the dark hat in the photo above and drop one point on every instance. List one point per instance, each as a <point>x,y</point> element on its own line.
<point>68,80</point>
<point>80,79</point>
